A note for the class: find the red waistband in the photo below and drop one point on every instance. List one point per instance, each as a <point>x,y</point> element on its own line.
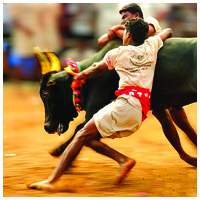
<point>142,94</point>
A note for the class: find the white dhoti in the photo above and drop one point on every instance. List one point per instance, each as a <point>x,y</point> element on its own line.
<point>118,119</point>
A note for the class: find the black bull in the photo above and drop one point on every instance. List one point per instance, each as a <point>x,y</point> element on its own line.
<point>175,85</point>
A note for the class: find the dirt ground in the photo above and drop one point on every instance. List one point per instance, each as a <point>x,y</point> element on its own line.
<point>159,171</point>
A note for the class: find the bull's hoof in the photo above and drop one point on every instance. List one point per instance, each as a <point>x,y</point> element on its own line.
<point>56,152</point>
<point>190,160</point>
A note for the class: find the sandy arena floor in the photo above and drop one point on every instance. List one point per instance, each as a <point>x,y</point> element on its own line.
<point>159,171</point>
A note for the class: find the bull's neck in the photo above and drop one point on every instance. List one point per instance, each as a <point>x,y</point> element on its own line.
<point>85,64</point>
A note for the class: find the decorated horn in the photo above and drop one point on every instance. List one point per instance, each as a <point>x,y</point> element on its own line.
<point>55,63</point>
<point>44,62</point>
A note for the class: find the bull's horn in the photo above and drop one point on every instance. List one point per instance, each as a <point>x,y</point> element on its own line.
<point>44,62</point>
<point>55,63</point>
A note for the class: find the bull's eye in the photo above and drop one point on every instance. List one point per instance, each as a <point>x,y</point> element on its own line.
<point>44,94</point>
<point>50,83</point>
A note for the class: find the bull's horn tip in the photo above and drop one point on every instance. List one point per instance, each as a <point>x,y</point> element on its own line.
<point>48,50</point>
<point>37,49</point>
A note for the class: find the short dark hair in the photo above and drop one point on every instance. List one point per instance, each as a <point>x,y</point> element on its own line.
<point>138,29</point>
<point>133,8</point>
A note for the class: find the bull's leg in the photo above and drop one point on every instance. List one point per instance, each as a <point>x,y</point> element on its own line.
<point>60,149</point>
<point>180,118</point>
<point>170,132</point>
<point>56,152</point>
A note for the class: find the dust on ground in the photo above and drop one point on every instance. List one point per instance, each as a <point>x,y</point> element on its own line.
<point>159,171</point>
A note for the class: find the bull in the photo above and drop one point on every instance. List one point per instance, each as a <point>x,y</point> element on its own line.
<point>174,86</point>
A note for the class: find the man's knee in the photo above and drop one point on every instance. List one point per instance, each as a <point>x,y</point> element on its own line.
<point>86,134</point>
<point>93,142</point>
<point>81,136</point>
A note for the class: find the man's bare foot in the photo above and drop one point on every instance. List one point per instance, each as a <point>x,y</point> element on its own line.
<point>43,185</point>
<point>124,170</point>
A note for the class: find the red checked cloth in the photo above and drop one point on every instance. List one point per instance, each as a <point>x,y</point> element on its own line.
<point>142,94</point>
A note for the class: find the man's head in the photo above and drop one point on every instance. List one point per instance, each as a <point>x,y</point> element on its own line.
<point>130,11</point>
<point>136,31</point>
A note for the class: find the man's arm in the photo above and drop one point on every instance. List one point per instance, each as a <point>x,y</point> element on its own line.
<point>115,31</point>
<point>103,40</point>
<point>94,69</point>
<point>166,33</point>
<point>118,31</point>
<point>152,30</point>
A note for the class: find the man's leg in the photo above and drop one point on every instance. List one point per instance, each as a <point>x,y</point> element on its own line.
<point>83,137</point>
<point>170,132</point>
<point>180,118</point>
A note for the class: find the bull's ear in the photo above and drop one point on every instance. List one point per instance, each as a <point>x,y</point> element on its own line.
<point>51,81</point>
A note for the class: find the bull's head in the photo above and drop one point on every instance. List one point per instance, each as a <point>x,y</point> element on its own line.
<point>56,94</point>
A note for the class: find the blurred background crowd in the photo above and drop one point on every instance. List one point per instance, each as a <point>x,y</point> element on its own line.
<point>71,30</point>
